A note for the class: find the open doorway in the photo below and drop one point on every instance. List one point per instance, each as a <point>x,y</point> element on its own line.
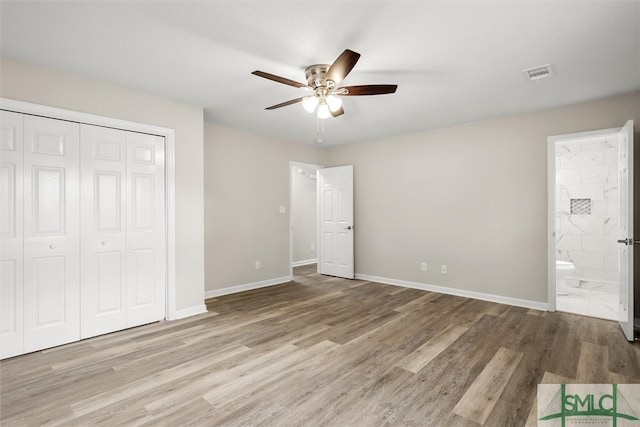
<point>303,219</point>
<point>587,216</point>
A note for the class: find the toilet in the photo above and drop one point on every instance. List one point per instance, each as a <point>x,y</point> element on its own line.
<point>563,268</point>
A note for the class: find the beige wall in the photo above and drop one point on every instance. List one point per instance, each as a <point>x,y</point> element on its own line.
<point>473,197</point>
<point>246,180</point>
<point>43,86</point>
<point>304,214</point>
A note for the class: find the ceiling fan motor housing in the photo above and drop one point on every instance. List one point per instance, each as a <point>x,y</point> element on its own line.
<point>315,75</point>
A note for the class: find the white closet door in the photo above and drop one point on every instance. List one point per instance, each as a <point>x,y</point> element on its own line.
<point>51,233</point>
<point>145,229</point>
<point>11,231</point>
<point>103,222</point>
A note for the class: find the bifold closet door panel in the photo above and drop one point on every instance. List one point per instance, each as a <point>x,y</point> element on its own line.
<point>146,258</point>
<point>103,222</point>
<point>11,235</point>
<point>51,233</point>
<point>83,231</point>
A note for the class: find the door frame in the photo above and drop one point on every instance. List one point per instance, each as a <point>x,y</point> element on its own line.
<point>552,141</point>
<point>169,138</point>
<point>292,165</point>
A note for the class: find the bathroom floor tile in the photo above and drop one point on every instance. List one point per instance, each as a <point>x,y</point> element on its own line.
<point>572,305</point>
<point>603,312</point>
<point>590,299</point>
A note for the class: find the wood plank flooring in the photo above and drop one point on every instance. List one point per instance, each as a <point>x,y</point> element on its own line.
<point>319,351</point>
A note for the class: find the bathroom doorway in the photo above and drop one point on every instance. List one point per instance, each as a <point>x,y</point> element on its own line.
<point>584,220</point>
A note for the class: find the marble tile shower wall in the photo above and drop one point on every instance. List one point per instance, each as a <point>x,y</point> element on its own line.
<point>588,170</point>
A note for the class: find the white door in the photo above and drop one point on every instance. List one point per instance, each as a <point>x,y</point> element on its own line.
<point>11,235</point>
<point>123,240</point>
<point>335,221</point>
<point>51,233</point>
<point>625,181</point>
<point>103,223</point>
<point>146,257</point>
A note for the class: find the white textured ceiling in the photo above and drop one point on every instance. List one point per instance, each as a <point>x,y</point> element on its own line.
<point>454,62</point>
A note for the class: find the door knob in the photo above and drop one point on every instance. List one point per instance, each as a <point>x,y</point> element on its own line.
<point>52,246</point>
<point>350,227</point>
<point>103,243</point>
<point>629,242</point>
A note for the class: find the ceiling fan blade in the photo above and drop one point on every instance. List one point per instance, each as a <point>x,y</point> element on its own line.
<point>368,90</point>
<point>341,66</point>
<point>278,79</point>
<point>338,112</point>
<point>284,104</point>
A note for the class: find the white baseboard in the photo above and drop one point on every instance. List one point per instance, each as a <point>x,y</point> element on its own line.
<point>535,305</point>
<point>191,311</point>
<point>304,262</point>
<point>246,287</point>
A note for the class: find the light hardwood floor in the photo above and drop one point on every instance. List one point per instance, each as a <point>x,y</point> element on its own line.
<point>320,351</point>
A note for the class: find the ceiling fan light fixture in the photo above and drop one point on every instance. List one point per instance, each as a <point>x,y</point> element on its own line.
<point>334,103</point>
<point>323,111</point>
<point>323,80</point>
<point>310,103</point>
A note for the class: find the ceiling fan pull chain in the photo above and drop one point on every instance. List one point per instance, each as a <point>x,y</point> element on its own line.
<point>319,126</point>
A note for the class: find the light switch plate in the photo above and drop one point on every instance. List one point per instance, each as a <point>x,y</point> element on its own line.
<point>283,209</point>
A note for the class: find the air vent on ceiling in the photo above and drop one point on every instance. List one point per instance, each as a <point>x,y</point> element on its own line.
<point>537,73</point>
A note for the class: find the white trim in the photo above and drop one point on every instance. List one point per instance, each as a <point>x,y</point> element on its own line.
<point>552,141</point>
<point>169,136</point>
<point>304,262</point>
<point>551,224</point>
<point>584,136</point>
<point>247,287</point>
<point>170,200</point>
<point>191,311</point>
<point>304,165</point>
<point>535,305</point>
<point>293,164</point>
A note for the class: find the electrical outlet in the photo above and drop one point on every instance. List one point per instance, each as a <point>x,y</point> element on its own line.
<point>423,266</point>
<point>443,269</point>
<point>258,265</point>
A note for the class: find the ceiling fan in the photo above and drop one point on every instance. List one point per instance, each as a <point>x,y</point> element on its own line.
<point>323,81</point>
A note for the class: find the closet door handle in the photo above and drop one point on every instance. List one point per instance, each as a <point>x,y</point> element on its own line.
<point>103,243</point>
<point>52,246</point>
